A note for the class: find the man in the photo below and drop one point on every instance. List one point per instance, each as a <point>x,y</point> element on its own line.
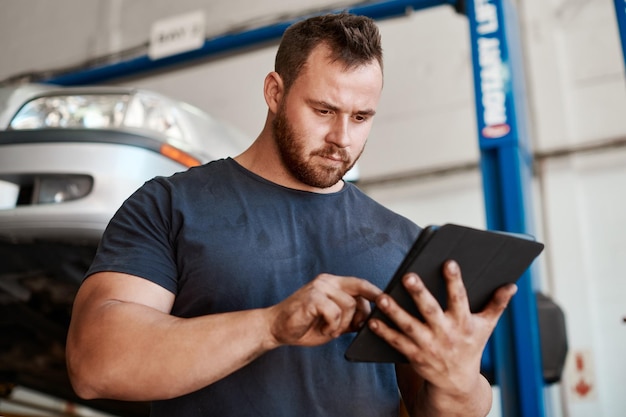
<point>232,289</point>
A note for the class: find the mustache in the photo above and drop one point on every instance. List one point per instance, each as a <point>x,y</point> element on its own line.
<point>332,152</point>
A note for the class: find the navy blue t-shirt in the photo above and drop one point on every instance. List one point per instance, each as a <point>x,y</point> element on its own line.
<point>224,239</point>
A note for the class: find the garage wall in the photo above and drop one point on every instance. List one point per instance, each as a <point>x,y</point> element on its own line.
<point>426,125</point>
<point>576,69</point>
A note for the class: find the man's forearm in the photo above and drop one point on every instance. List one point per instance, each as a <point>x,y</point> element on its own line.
<point>158,356</point>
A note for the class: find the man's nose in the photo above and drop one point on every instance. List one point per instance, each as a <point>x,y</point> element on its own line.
<point>339,133</point>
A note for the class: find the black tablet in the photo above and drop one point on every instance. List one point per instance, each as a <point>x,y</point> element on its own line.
<point>488,260</point>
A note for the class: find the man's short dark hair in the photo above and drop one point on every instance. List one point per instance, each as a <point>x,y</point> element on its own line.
<point>353,40</point>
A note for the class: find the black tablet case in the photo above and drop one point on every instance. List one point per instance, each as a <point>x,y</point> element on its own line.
<point>488,260</point>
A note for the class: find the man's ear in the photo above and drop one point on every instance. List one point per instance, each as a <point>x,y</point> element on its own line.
<point>273,89</point>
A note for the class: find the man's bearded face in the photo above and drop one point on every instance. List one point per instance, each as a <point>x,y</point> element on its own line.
<point>302,165</point>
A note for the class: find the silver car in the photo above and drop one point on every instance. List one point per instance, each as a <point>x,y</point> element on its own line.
<point>69,157</point>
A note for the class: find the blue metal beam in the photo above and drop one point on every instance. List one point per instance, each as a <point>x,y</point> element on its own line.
<point>506,164</point>
<point>228,43</point>
<point>620,11</point>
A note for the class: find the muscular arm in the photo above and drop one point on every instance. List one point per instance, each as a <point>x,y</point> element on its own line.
<point>124,344</point>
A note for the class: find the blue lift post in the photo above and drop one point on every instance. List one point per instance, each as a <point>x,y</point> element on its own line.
<point>506,164</point>
<point>620,11</point>
<point>513,354</point>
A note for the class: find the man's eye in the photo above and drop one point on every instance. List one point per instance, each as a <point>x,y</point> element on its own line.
<point>360,118</point>
<point>323,111</point>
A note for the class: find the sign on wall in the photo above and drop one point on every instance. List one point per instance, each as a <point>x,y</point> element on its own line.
<point>177,34</point>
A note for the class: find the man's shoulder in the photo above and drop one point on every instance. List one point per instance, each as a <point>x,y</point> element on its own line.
<point>216,167</point>
<point>359,197</point>
<point>365,207</point>
<point>194,176</point>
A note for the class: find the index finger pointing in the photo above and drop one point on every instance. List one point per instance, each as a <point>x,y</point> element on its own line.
<point>359,287</point>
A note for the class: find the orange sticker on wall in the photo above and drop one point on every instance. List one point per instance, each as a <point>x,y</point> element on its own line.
<point>580,376</point>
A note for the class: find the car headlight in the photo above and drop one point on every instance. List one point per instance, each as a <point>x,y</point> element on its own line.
<point>72,111</point>
<point>99,111</point>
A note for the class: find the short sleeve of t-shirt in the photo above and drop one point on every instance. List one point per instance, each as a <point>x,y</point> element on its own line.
<point>138,239</point>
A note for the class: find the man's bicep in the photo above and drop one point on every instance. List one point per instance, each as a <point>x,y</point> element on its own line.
<point>103,288</point>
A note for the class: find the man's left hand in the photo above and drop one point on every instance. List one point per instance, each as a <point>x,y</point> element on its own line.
<point>446,349</point>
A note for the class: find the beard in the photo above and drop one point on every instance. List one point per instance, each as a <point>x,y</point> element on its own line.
<point>291,149</point>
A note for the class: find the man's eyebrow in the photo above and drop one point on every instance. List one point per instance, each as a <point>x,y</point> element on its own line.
<point>326,105</point>
<point>366,112</point>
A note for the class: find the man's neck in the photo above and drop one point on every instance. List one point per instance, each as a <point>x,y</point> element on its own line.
<point>262,158</point>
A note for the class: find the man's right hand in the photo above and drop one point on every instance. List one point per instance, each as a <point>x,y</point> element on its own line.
<point>322,310</point>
